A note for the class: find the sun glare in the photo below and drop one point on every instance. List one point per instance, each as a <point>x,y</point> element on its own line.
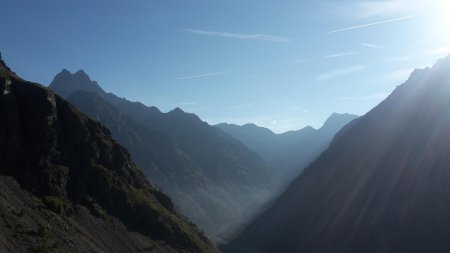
<point>440,17</point>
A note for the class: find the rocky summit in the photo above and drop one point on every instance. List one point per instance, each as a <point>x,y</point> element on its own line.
<point>67,186</point>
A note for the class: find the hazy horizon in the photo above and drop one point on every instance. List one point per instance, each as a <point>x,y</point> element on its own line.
<point>197,126</point>
<point>282,67</point>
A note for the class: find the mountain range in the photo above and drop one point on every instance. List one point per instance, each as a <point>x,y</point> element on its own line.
<point>67,186</point>
<point>290,152</point>
<point>213,179</point>
<point>381,187</point>
<point>376,183</point>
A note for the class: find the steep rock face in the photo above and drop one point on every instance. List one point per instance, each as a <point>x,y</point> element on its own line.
<point>69,161</point>
<point>381,187</point>
<point>165,165</point>
<point>214,180</point>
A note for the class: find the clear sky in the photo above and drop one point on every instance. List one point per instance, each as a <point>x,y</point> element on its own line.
<point>279,64</point>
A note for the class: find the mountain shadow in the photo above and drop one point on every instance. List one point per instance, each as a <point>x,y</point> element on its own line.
<point>381,187</point>
<point>67,186</point>
<point>214,180</point>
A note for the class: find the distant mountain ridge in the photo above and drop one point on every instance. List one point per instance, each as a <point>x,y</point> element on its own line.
<point>214,179</point>
<point>291,151</point>
<point>67,186</point>
<point>66,83</point>
<point>381,187</point>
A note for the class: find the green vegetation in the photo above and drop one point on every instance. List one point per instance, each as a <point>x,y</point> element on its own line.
<point>56,204</point>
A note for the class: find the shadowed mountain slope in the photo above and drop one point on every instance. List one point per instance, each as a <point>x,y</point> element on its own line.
<point>381,187</point>
<point>67,186</point>
<point>213,179</point>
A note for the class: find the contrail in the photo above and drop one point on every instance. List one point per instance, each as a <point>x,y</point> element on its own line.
<point>371,24</point>
<point>264,66</point>
<point>204,75</point>
<point>266,37</point>
<point>339,55</point>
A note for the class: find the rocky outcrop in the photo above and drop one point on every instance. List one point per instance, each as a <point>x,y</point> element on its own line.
<point>70,163</point>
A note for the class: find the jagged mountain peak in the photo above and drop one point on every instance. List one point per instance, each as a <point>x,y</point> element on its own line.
<point>211,176</point>
<point>418,76</point>
<point>79,75</point>
<point>66,83</point>
<point>66,163</point>
<point>179,114</point>
<point>177,110</point>
<point>81,72</point>
<point>65,71</point>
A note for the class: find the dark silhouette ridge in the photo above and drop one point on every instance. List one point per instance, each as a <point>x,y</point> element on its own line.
<point>214,180</point>
<point>67,186</point>
<point>381,187</point>
<point>66,83</point>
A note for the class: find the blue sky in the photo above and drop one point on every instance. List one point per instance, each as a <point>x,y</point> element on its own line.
<point>279,64</point>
